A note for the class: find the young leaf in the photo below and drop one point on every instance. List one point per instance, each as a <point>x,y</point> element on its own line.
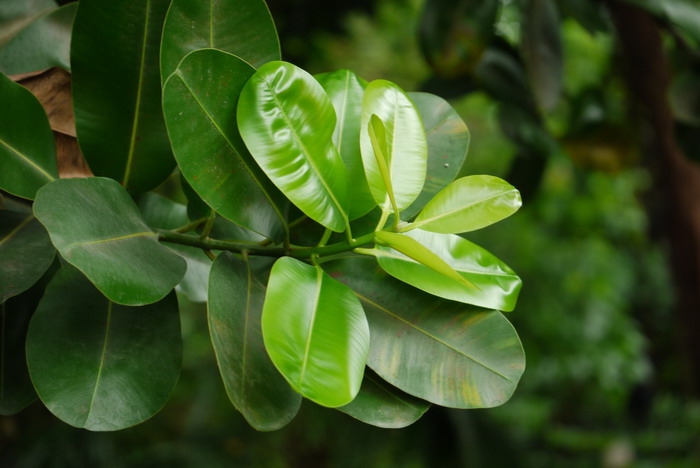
<point>241,27</point>
<point>345,89</point>
<point>99,365</point>
<point>315,332</point>
<point>407,149</point>
<point>495,285</point>
<point>382,405</point>
<point>96,226</point>
<point>25,252</point>
<point>287,122</point>
<point>377,136</point>
<point>117,93</point>
<point>448,141</point>
<point>199,102</point>
<point>26,142</point>
<point>252,382</point>
<point>441,351</point>
<point>468,204</point>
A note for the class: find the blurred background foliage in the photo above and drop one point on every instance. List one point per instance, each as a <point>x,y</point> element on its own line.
<point>611,378</point>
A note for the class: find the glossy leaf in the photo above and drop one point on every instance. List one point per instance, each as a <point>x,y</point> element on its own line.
<point>315,332</point>
<point>382,405</point>
<point>116,91</point>
<point>43,44</point>
<point>346,90</point>
<point>25,252</point>
<point>496,285</point>
<point>444,352</point>
<point>26,143</point>
<point>99,365</point>
<point>242,27</point>
<point>448,141</point>
<point>200,111</point>
<point>287,122</point>
<point>96,226</point>
<point>468,204</point>
<point>252,382</point>
<point>407,149</point>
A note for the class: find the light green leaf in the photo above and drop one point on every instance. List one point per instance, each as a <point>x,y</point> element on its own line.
<point>407,149</point>
<point>117,93</point>
<point>287,122</point>
<point>96,226</point>
<point>252,382</point>
<point>99,365</point>
<point>468,204</point>
<point>15,15</point>
<point>448,141</point>
<point>444,352</point>
<point>241,27</point>
<point>315,332</point>
<point>382,405</point>
<point>43,43</point>
<point>199,102</point>
<point>496,285</point>
<point>27,150</point>
<point>345,89</point>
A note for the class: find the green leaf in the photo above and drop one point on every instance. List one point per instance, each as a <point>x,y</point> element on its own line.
<point>377,137</point>
<point>241,27</point>
<point>468,204</point>
<point>448,141</point>
<point>315,332</point>
<point>199,102</point>
<point>252,382</point>
<point>25,252</point>
<point>96,227</point>
<point>15,15</point>
<point>345,89</point>
<point>99,365</point>
<point>44,43</point>
<point>444,352</point>
<point>382,405</point>
<point>542,50</point>
<point>26,142</point>
<point>496,285</point>
<point>116,91</point>
<point>287,122</point>
<point>407,149</point>
<point>683,14</point>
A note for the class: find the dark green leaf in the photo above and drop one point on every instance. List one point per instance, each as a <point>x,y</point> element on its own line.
<point>241,27</point>
<point>252,382</point>
<point>116,91</point>
<point>199,102</point>
<point>97,227</point>
<point>99,365</point>
<point>26,142</point>
<point>315,332</point>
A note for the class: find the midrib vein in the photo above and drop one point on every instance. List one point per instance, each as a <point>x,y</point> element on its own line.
<point>17,228</point>
<point>418,224</point>
<point>112,239</point>
<point>319,281</point>
<point>27,161</point>
<point>102,359</point>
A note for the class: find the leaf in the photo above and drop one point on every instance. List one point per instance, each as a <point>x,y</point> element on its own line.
<point>448,141</point>
<point>444,352</point>
<point>496,285</point>
<point>25,252</point>
<point>116,91</point>
<point>287,122</point>
<point>15,15</point>
<point>242,27</point>
<point>542,51</point>
<point>382,405</point>
<point>407,149</point>
<point>97,228</point>
<point>377,137</point>
<point>345,89</point>
<point>315,332</point>
<point>26,142</point>
<point>468,204</point>
<point>99,365</point>
<point>42,44</point>
<point>252,382</point>
<point>200,110</point>
<point>683,14</point>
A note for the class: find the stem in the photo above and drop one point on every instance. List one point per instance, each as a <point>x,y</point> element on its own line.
<point>382,220</point>
<point>297,221</point>
<point>324,239</point>
<point>210,223</point>
<point>191,226</point>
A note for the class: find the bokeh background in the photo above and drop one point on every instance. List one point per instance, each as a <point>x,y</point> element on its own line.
<point>592,109</point>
